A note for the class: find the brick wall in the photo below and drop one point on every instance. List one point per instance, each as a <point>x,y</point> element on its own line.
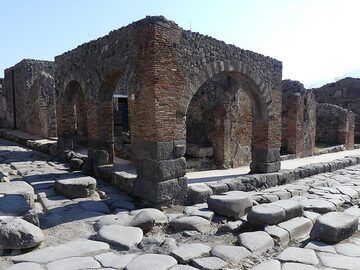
<point>298,119</point>
<point>344,93</point>
<point>31,84</point>
<point>335,125</point>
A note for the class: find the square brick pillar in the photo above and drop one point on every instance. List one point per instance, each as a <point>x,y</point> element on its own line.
<point>66,122</point>
<point>158,149</point>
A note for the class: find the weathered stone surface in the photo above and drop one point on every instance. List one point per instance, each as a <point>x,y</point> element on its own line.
<point>256,241</point>
<point>231,226</point>
<point>268,265</point>
<point>16,233</point>
<point>230,254</point>
<point>110,259</point>
<point>18,187</point>
<point>334,227</point>
<point>191,224</point>
<point>298,255</point>
<point>151,262</point>
<point>26,266</point>
<point>292,208</point>
<point>78,187</point>
<point>144,220</point>
<point>158,216</point>
<point>318,205</point>
<point>209,263</point>
<point>279,234</point>
<point>233,204</point>
<point>122,236</point>
<point>203,212</point>
<point>183,267</point>
<point>119,219</point>
<point>199,193</point>
<point>13,205</point>
<point>320,246</point>
<point>186,252</point>
<point>195,150</point>
<point>298,227</point>
<point>74,263</point>
<point>71,249</point>
<point>265,214</point>
<point>297,266</point>
<point>339,261</point>
<point>348,249</point>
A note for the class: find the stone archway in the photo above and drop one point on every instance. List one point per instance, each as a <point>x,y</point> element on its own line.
<point>267,122</point>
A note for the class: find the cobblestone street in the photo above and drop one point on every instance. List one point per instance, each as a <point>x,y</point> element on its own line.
<point>311,223</point>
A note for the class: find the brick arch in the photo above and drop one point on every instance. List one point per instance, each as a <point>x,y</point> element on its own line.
<point>242,73</point>
<point>265,153</point>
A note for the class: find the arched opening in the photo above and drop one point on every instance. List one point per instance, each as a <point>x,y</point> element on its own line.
<point>235,118</point>
<point>219,125</point>
<point>113,118</point>
<point>74,116</point>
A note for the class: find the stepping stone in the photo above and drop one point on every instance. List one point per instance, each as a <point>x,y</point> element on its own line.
<point>19,188</point>
<point>311,215</point>
<point>158,216</point>
<point>292,208</point>
<point>318,205</point>
<point>230,254</point>
<point>203,212</point>
<point>144,220</point>
<point>256,241</point>
<point>298,266</point>
<point>265,214</point>
<point>78,187</point>
<point>186,252</point>
<point>233,204</point>
<point>74,263</point>
<point>198,224</point>
<point>339,261</point>
<point>16,233</point>
<point>26,266</point>
<point>334,227</point>
<point>209,263</point>
<point>298,255</point>
<point>348,249</point>
<point>121,236</point>
<point>354,211</point>
<point>320,246</point>
<point>151,262</point>
<point>199,193</point>
<point>123,219</point>
<point>279,234</point>
<point>71,249</point>
<point>298,228</point>
<point>112,260</point>
<point>268,265</point>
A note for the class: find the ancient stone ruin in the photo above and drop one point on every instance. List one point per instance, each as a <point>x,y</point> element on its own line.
<point>132,152</point>
<point>160,98</point>
<point>344,93</point>
<point>29,98</point>
<point>335,125</point>
<point>298,119</point>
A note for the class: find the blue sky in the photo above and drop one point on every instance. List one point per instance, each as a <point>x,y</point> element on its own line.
<point>315,39</point>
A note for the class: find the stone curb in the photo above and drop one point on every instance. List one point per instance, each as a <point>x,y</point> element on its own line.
<point>254,182</point>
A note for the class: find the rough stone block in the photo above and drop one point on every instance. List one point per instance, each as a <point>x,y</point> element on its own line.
<point>199,193</point>
<point>158,192</point>
<point>154,170</point>
<point>298,227</point>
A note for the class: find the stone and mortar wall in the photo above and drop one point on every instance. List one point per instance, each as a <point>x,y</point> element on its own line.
<point>220,116</point>
<point>344,93</point>
<point>335,125</point>
<point>2,105</point>
<point>164,67</point>
<point>32,85</point>
<point>298,119</point>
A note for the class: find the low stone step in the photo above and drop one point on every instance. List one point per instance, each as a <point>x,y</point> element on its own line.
<point>76,187</point>
<point>334,227</point>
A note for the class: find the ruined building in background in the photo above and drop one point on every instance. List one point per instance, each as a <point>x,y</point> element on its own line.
<point>344,93</point>
<point>165,71</point>
<point>335,125</point>
<point>298,119</point>
<point>28,98</point>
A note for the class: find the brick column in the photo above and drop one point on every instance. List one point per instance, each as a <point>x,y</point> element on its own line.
<point>66,119</point>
